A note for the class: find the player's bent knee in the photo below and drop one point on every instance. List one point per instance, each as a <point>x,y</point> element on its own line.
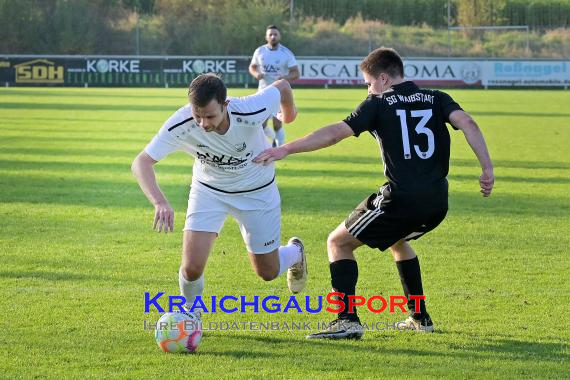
<point>268,274</point>
<point>397,245</point>
<point>191,272</point>
<point>401,246</point>
<point>332,241</point>
<point>337,241</point>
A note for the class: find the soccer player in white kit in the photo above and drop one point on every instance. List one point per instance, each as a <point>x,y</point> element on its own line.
<point>271,62</point>
<point>224,134</point>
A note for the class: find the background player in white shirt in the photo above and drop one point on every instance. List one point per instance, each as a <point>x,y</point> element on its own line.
<point>224,135</point>
<point>271,62</point>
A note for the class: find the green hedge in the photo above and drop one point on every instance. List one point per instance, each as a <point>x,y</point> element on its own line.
<point>536,13</point>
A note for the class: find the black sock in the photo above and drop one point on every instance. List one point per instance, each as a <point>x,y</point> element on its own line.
<point>344,275</point>
<point>411,278</point>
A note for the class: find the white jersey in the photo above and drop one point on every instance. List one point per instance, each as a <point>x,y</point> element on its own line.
<point>223,162</point>
<point>272,63</point>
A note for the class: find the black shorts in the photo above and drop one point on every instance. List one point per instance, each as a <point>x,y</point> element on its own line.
<point>384,218</point>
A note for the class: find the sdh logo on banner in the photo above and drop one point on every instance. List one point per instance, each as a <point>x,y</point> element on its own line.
<point>39,71</point>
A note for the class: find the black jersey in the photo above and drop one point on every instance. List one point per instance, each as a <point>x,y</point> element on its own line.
<point>409,125</point>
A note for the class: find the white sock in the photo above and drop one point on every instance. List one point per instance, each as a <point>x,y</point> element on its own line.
<point>280,136</point>
<point>269,133</point>
<point>288,255</point>
<point>190,289</point>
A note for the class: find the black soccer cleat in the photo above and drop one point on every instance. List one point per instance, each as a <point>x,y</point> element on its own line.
<point>340,329</point>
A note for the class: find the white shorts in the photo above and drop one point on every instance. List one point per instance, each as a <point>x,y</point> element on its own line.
<point>258,214</point>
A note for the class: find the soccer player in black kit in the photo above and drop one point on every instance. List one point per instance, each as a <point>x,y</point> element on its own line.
<point>409,124</point>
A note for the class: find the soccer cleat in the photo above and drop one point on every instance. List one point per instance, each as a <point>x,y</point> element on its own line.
<point>193,315</point>
<point>420,325</point>
<point>297,274</point>
<point>340,329</point>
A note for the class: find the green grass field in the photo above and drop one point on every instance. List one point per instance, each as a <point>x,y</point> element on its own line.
<point>77,251</point>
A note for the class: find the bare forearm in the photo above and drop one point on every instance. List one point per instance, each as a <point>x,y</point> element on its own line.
<point>463,121</point>
<point>477,143</point>
<point>144,173</point>
<point>319,139</point>
<point>287,105</point>
<point>287,102</point>
<point>255,72</point>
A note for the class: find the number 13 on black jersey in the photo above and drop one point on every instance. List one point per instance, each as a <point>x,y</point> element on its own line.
<point>410,126</point>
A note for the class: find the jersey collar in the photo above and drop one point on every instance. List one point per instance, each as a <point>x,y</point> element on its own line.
<point>406,85</point>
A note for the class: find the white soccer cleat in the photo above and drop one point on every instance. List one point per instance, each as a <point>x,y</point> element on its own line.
<point>297,274</point>
<point>340,329</point>
<point>424,325</point>
<point>193,315</point>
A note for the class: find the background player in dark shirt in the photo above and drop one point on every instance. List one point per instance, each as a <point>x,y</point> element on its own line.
<point>409,124</point>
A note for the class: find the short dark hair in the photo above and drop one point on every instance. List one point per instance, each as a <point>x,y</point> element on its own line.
<point>383,60</point>
<point>271,27</point>
<point>206,87</point>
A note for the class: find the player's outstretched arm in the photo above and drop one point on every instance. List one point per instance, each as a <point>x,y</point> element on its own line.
<point>288,111</point>
<point>316,140</point>
<point>143,170</point>
<point>463,121</point>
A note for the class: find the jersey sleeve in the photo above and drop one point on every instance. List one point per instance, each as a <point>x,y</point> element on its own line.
<point>164,143</point>
<point>448,105</point>
<point>255,58</point>
<point>363,117</point>
<point>267,102</point>
<point>292,62</point>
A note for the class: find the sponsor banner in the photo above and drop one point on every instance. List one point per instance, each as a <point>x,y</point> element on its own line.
<point>333,72</point>
<point>32,71</point>
<point>458,72</point>
<point>424,72</point>
<point>120,71</point>
<point>180,71</point>
<point>455,73</point>
<point>526,73</point>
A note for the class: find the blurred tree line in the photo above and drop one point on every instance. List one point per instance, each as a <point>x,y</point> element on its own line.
<point>316,27</point>
<point>542,14</point>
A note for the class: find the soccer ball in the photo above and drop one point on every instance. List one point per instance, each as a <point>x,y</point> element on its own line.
<point>178,333</point>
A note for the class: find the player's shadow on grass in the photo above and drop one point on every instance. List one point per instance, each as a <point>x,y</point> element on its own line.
<point>92,107</point>
<point>510,178</point>
<point>350,107</point>
<point>282,172</point>
<point>375,160</point>
<point>108,94</point>
<point>520,350</point>
<point>88,187</point>
<point>51,276</point>
<point>127,154</point>
<point>343,110</point>
<point>79,124</point>
<point>520,114</point>
<point>236,354</point>
<point>477,348</point>
<point>513,164</point>
<point>370,174</point>
<point>139,107</point>
<point>136,139</point>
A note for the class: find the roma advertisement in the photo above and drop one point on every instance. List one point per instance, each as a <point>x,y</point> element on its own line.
<point>150,71</point>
